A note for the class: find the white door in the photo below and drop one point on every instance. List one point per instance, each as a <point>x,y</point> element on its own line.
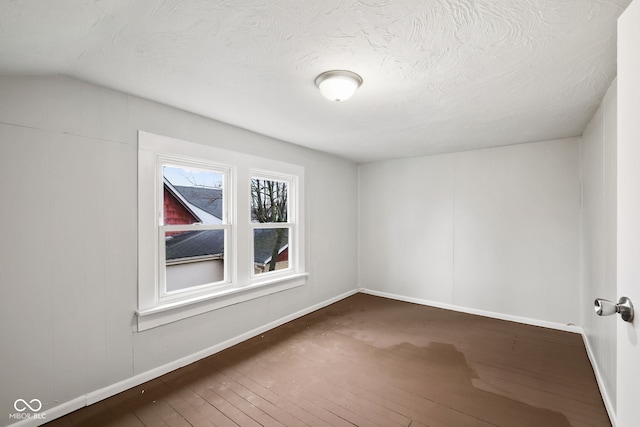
<point>628,377</point>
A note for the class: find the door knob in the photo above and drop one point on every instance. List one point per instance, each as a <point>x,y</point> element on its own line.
<point>605,307</point>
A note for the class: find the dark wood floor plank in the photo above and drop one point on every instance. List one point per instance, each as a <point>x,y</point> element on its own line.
<point>226,391</point>
<point>287,405</point>
<point>332,398</point>
<point>265,405</point>
<point>190,413</point>
<point>490,374</point>
<point>341,393</point>
<point>280,382</point>
<point>117,411</point>
<point>104,414</point>
<point>230,410</point>
<point>88,414</point>
<point>181,384</point>
<point>60,422</point>
<point>370,361</point>
<point>418,406</point>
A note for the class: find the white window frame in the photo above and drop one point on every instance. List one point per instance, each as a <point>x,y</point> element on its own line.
<point>291,224</point>
<point>164,296</point>
<point>155,307</point>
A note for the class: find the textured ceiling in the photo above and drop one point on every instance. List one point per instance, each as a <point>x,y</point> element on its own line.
<point>439,75</point>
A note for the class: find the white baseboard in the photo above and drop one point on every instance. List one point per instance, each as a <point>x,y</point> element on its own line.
<point>113,389</point>
<point>501,316</point>
<point>599,379</point>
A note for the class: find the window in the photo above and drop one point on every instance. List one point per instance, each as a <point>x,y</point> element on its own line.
<point>271,223</point>
<point>194,226</point>
<point>216,228</point>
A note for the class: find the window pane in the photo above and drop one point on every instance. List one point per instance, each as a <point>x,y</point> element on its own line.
<point>269,201</point>
<point>270,249</point>
<point>192,196</point>
<point>194,258</point>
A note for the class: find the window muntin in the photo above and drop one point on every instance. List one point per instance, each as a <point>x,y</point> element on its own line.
<point>193,227</point>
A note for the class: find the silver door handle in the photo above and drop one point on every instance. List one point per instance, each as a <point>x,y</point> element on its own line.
<point>605,307</point>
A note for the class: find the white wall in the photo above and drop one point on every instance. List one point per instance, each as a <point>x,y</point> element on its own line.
<point>492,230</point>
<point>598,248</point>
<point>68,267</point>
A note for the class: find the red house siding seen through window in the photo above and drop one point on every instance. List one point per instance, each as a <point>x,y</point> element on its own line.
<point>175,212</point>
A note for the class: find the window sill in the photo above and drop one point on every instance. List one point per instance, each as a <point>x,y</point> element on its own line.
<point>171,312</point>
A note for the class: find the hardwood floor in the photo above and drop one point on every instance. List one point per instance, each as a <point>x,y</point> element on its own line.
<point>370,361</point>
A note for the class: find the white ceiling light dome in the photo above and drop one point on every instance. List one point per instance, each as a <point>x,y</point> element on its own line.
<point>338,85</point>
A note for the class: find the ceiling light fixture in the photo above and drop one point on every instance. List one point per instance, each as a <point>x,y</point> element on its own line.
<point>338,85</point>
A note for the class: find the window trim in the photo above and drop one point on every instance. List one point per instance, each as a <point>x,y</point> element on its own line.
<point>241,285</point>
